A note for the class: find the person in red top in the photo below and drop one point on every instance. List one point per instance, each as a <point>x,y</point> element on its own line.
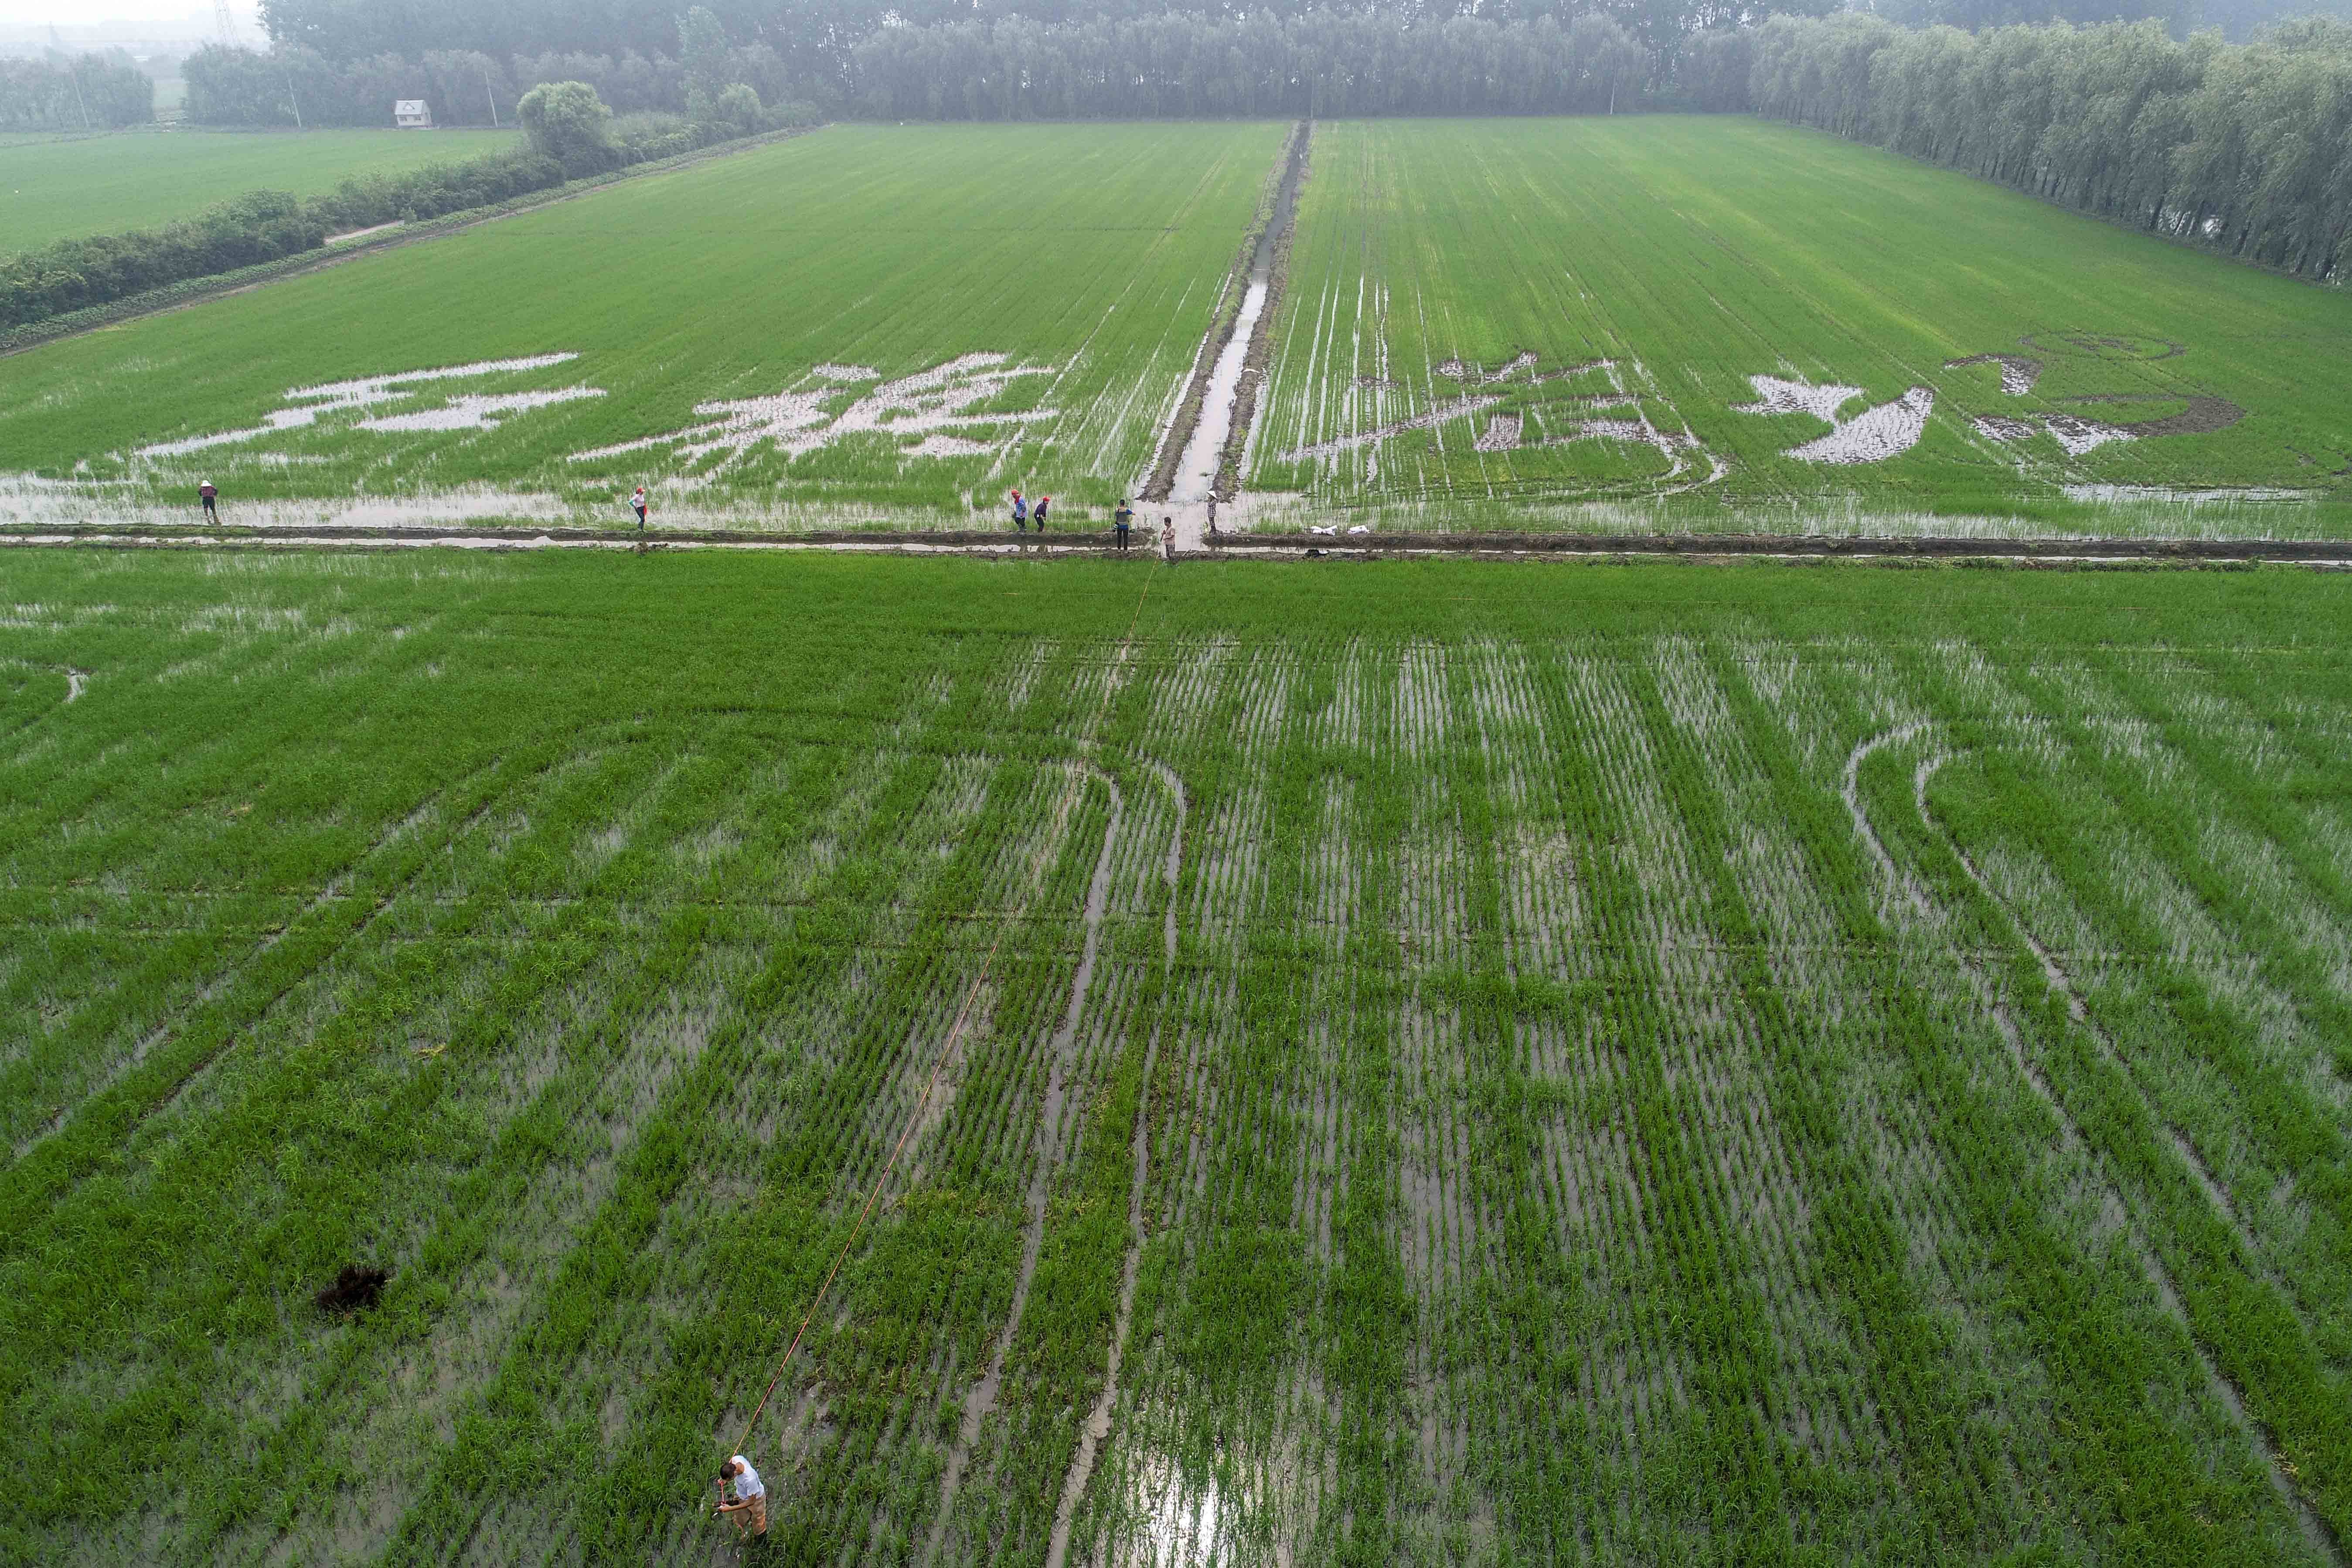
<point>208,494</point>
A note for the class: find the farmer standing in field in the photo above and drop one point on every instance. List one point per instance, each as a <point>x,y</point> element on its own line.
<point>1043,502</point>
<point>638,502</point>
<point>1121,521</point>
<point>743,1496</point>
<point>1020,513</point>
<point>208,494</point>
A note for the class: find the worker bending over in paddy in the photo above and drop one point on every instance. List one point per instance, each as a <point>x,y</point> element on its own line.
<point>743,1496</point>
<point>1039,515</point>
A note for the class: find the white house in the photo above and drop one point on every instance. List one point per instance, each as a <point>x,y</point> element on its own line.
<point>411,114</point>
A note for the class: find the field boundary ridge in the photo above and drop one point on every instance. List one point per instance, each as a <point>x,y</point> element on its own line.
<point>2056,550</point>
<point>1826,546</point>
<point>523,536</point>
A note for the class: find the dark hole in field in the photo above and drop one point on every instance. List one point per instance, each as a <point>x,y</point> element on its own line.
<point>355,1289</point>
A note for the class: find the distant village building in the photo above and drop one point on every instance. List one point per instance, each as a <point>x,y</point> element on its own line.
<point>411,114</point>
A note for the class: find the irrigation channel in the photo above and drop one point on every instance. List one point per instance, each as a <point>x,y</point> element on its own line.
<point>1199,461</point>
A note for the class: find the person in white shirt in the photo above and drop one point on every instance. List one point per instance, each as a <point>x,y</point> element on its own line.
<point>743,1497</point>
<point>638,502</point>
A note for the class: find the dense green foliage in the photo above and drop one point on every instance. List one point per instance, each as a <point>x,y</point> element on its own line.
<point>818,35</point>
<point>1005,67</point>
<point>1603,1102</point>
<point>567,123</point>
<point>1604,294</point>
<point>71,274</point>
<point>78,92</point>
<point>242,86</point>
<point>2245,149</point>
<point>1090,262</point>
<point>1323,63</point>
<point>60,188</point>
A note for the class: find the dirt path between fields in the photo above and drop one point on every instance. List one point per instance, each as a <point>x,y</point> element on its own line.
<point>1700,549</point>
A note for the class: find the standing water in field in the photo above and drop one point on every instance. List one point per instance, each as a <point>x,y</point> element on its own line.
<point>1196,471</point>
<point>1213,433</point>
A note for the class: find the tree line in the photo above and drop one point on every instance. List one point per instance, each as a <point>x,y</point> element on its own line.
<point>74,92</point>
<point>299,86</point>
<point>820,35</point>
<point>1160,66</point>
<point>1322,64</point>
<point>1011,68</point>
<point>2243,148</point>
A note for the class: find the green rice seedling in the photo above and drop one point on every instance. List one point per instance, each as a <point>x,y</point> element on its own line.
<point>1698,324</point>
<point>1569,1059</point>
<point>866,323</point>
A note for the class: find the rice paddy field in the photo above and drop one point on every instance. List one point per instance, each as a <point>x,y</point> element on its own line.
<point>1438,1063</point>
<point>1636,323</point>
<point>865,318</point>
<point>1712,319</point>
<point>55,187</point>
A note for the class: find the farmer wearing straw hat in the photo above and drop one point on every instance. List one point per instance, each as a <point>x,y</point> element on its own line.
<point>743,1496</point>
<point>205,493</point>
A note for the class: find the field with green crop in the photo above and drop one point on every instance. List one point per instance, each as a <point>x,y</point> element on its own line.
<point>1433,1064</point>
<point>864,317</point>
<point>62,188</point>
<point>1620,324</point>
<point>1704,320</point>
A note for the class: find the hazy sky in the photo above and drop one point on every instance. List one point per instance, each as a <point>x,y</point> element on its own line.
<point>193,16</point>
